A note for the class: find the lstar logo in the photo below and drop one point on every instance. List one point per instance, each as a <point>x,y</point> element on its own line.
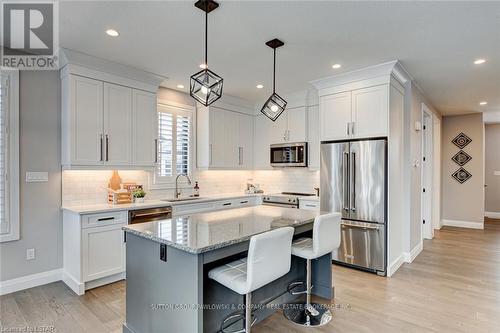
<point>29,39</point>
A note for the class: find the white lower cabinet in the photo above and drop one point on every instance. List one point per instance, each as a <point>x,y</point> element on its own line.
<point>93,249</point>
<point>103,252</point>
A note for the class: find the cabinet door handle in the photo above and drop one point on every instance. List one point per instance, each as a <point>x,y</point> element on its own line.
<point>101,152</point>
<point>105,219</point>
<point>348,126</point>
<point>156,150</point>
<point>107,148</point>
<point>352,128</point>
<point>284,135</point>
<point>240,155</point>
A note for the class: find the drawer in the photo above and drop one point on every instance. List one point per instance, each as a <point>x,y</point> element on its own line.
<point>192,208</point>
<point>309,204</point>
<point>102,219</point>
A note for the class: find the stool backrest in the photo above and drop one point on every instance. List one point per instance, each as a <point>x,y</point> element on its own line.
<point>326,233</point>
<point>269,257</point>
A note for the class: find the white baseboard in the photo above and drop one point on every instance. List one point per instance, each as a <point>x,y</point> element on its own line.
<point>30,281</point>
<point>463,224</point>
<point>73,284</point>
<point>492,215</point>
<point>410,256</point>
<point>394,266</point>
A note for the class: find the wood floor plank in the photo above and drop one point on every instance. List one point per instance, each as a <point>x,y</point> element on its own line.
<point>452,286</point>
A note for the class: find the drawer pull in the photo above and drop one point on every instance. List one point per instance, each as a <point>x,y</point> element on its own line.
<point>243,202</point>
<point>227,204</point>
<point>105,219</point>
<point>311,206</point>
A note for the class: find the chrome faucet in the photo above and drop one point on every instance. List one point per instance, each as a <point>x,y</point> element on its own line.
<point>177,191</point>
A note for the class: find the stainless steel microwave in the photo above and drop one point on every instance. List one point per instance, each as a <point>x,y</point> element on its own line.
<point>289,154</point>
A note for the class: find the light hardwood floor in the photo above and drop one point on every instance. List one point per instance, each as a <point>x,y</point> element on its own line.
<point>452,286</point>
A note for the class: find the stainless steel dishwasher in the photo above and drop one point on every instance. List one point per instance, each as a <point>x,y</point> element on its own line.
<point>149,215</point>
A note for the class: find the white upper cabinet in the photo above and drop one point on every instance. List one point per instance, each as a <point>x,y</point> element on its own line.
<point>117,124</point>
<point>335,116</point>
<point>359,113</point>
<point>297,124</point>
<point>145,128</point>
<point>224,139</point>
<point>216,138</point>
<point>370,109</point>
<point>245,137</point>
<point>106,124</point>
<point>263,129</point>
<point>313,137</point>
<point>83,121</point>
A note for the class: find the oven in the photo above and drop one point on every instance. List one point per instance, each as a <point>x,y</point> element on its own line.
<point>289,154</point>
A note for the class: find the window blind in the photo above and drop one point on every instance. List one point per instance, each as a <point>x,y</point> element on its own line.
<point>174,153</point>
<point>4,225</point>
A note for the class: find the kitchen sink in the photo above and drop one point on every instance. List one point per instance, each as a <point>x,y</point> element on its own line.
<point>182,199</point>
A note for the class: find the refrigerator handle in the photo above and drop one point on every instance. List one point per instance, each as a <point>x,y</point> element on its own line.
<point>345,181</point>
<point>353,199</point>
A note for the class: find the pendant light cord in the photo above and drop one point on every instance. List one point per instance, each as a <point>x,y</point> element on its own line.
<point>274,72</point>
<point>206,36</point>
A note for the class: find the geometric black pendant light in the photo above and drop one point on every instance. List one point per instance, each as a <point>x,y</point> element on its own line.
<point>275,105</point>
<point>206,86</point>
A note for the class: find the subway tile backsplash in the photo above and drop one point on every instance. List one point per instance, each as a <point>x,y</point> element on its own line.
<point>87,187</point>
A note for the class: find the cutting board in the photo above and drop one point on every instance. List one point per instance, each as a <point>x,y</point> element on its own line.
<point>115,181</point>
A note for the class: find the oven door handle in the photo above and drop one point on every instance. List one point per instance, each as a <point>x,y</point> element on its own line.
<point>279,205</point>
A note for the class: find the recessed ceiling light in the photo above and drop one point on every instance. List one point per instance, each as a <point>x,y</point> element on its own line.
<point>483,103</point>
<point>180,86</point>
<point>260,86</point>
<point>336,66</point>
<point>203,66</point>
<point>112,33</point>
<point>479,61</point>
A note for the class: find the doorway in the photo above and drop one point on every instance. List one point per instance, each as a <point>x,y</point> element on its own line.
<point>427,160</point>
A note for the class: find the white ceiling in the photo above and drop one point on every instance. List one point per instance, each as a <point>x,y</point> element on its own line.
<point>437,42</point>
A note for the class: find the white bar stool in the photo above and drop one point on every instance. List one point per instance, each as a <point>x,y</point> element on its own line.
<point>325,239</point>
<point>269,258</point>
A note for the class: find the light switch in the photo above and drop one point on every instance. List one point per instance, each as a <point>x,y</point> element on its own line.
<point>37,177</point>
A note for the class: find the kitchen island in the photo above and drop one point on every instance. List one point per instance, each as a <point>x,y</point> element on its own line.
<point>168,289</point>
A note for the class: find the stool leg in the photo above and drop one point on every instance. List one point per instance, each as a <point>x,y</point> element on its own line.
<point>248,312</point>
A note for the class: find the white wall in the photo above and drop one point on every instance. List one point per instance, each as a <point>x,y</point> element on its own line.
<point>40,202</point>
<point>416,172</point>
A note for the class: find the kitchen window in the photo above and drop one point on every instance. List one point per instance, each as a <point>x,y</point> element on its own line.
<point>9,155</point>
<point>174,144</point>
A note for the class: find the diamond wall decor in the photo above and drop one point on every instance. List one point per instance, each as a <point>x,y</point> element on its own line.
<point>461,158</point>
<point>461,175</point>
<point>461,140</point>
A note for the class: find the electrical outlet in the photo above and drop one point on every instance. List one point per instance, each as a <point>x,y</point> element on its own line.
<point>30,254</point>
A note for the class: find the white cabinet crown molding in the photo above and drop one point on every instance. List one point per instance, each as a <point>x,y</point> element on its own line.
<point>379,74</point>
<point>74,62</point>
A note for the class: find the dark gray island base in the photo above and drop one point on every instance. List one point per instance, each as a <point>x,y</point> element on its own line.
<point>168,289</point>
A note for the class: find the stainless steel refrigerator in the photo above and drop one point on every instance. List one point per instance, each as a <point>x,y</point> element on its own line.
<point>354,182</point>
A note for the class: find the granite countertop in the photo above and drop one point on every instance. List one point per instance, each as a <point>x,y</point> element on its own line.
<point>203,232</point>
<point>104,208</point>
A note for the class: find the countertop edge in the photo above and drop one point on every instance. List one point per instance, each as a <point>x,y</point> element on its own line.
<point>89,209</point>
<point>203,249</point>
